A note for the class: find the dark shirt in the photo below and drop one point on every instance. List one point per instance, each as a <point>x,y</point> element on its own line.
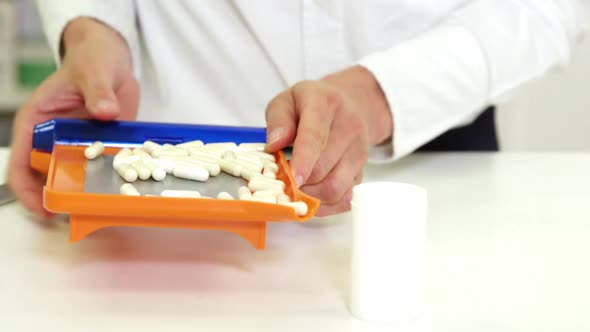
<point>480,135</point>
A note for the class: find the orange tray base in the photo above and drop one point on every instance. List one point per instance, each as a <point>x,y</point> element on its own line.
<point>64,193</point>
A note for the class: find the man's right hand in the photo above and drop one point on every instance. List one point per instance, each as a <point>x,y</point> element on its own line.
<point>95,81</point>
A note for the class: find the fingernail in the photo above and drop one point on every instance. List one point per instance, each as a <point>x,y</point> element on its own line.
<point>105,105</point>
<point>275,135</point>
<point>298,181</point>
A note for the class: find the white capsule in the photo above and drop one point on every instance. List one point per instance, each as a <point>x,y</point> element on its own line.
<point>185,145</point>
<point>125,159</point>
<point>228,155</point>
<point>251,166</point>
<point>246,164</point>
<point>263,178</point>
<point>168,146</point>
<point>129,190</point>
<point>169,153</point>
<point>225,195</point>
<point>149,146</point>
<point>249,158</point>
<point>188,172</point>
<point>222,146</point>
<point>213,168</point>
<point>270,192</point>
<point>143,172</point>
<point>165,163</point>
<point>269,173</point>
<point>230,167</point>
<point>299,207</point>
<point>271,166</point>
<point>124,152</point>
<point>256,185</point>
<point>283,198</point>
<point>122,156</point>
<point>127,172</point>
<point>264,198</point>
<point>157,173</point>
<point>180,193</point>
<point>141,153</point>
<point>252,146</point>
<point>244,193</point>
<point>204,155</point>
<point>211,153</point>
<point>263,155</point>
<point>248,174</point>
<point>94,150</point>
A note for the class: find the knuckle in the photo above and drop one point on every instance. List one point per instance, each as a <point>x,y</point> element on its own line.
<point>322,211</point>
<point>332,189</point>
<point>271,106</point>
<point>133,82</point>
<point>41,92</point>
<point>343,207</point>
<point>83,75</point>
<point>99,87</point>
<point>363,155</point>
<point>276,104</point>
<point>356,125</point>
<point>303,86</point>
<point>325,114</point>
<point>334,99</point>
<point>359,178</point>
<point>332,209</point>
<point>318,172</point>
<point>314,138</point>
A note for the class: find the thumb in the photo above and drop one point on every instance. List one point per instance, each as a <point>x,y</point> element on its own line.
<point>281,122</point>
<point>100,98</point>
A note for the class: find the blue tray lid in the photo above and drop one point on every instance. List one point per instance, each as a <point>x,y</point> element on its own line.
<point>124,133</point>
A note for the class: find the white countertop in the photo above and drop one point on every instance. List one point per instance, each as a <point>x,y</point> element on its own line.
<point>508,250</point>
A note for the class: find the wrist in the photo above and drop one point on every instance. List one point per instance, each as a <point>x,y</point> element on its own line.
<point>379,115</point>
<point>363,87</point>
<point>82,29</point>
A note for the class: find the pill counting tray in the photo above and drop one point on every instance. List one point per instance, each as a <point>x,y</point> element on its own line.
<point>88,190</point>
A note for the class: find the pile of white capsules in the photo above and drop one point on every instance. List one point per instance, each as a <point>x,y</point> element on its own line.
<point>198,161</point>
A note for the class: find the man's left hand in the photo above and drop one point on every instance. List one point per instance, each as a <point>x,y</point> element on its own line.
<point>331,124</point>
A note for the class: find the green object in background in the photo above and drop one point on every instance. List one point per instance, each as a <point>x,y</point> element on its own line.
<point>32,73</point>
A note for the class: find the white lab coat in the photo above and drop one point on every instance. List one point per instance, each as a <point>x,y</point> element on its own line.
<point>439,62</point>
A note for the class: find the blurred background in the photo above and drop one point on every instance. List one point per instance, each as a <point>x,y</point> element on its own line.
<point>549,114</point>
<point>25,59</point>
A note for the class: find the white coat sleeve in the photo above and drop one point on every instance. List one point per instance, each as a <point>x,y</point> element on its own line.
<point>117,14</point>
<point>474,57</point>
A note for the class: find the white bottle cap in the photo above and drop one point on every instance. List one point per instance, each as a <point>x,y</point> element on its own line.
<point>388,239</point>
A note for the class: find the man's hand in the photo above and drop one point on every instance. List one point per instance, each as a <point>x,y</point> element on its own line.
<point>331,124</point>
<point>95,81</point>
